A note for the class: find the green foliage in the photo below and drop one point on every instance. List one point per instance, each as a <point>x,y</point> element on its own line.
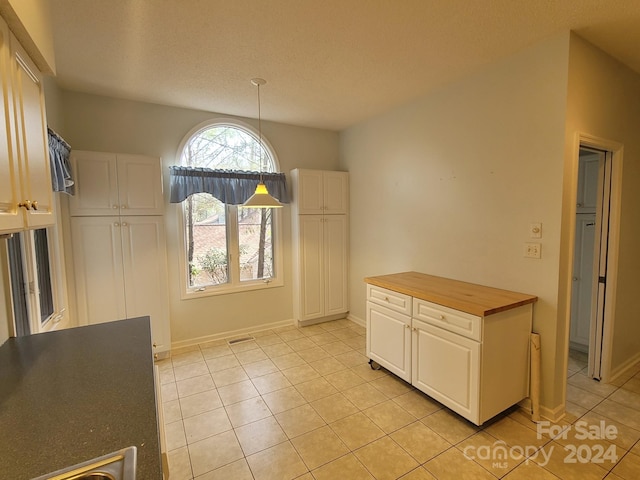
<point>215,264</point>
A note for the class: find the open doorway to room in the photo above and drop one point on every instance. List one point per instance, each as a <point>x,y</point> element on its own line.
<point>594,254</point>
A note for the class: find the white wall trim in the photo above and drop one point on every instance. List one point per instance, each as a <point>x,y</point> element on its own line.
<point>621,370</point>
<point>231,333</point>
<point>357,320</point>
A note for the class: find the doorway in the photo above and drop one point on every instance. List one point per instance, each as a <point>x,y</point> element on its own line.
<point>595,246</point>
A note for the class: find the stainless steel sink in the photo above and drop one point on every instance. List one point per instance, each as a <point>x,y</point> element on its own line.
<point>120,465</point>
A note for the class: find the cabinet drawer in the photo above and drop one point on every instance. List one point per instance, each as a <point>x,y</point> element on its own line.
<point>448,319</point>
<point>398,302</point>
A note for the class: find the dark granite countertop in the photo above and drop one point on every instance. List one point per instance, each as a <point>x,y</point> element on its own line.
<point>73,395</point>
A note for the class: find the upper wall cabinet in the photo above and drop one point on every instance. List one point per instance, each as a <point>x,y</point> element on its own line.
<point>26,196</point>
<point>322,192</point>
<point>116,184</point>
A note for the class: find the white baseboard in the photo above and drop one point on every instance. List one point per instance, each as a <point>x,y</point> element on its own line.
<point>622,369</point>
<point>315,321</point>
<point>232,333</point>
<point>553,415</point>
<point>356,320</point>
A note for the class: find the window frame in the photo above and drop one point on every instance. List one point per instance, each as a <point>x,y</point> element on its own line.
<point>29,265</point>
<point>232,231</point>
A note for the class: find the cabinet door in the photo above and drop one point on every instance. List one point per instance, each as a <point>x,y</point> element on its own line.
<point>140,185</point>
<point>389,340</point>
<point>31,139</point>
<point>310,192</point>
<point>11,218</point>
<point>311,238</point>
<point>446,366</point>
<point>97,262</point>
<point>96,184</point>
<point>109,184</point>
<point>145,274</point>
<point>336,247</point>
<point>336,192</point>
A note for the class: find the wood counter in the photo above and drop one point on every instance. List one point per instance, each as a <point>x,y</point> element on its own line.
<point>466,297</point>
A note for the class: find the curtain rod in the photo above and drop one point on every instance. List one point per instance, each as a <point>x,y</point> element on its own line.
<point>58,137</point>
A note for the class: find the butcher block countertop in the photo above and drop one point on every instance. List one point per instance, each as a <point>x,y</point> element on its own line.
<point>466,297</point>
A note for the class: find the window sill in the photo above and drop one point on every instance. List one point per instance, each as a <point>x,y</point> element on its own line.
<point>212,291</point>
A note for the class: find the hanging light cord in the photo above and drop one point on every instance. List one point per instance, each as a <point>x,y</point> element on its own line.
<point>257,82</point>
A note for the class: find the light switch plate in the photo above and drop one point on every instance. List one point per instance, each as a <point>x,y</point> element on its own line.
<point>532,250</point>
<point>535,230</point>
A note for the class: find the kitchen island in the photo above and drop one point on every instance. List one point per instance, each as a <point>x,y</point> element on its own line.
<point>463,344</point>
<point>73,395</point>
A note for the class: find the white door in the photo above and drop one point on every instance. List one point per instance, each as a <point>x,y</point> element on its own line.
<point>389,340</point>
<point>310,192</point>
<point>336,247</point>
<point>311,267</point>
<point>582,285</point>
<point>140,185</point>
<point>32,140</point>
<point>96,184</point>
<point>11,217</point>
<point>99,276</point>
<point>446,366</point>
<point>336,196</point>
<point>145,274</point>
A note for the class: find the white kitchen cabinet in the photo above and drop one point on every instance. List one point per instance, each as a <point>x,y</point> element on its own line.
<point>389,339</point>
<point>121,271</point>
<point>320,244</point>
<point>454,381</point>
<point>26,195</point>
<point>469,351</point>
<point>321,192</point>
<point>119,253</point>
<point>116,184</point>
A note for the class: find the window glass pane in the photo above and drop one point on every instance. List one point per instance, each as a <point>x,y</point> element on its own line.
<point>211,241</point>
<point>18,286</point>
<point>206,240</point>
<point>256,246</point>
<point>228,148</point>
<point>43,267</point>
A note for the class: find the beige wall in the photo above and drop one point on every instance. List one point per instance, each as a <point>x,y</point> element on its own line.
<point>604,101</point>
<point>449,184</point>
<point>109,125</point>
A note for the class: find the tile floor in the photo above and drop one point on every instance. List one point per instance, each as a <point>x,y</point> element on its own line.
<point>304,404</point>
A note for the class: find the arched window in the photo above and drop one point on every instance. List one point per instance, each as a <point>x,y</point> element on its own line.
<point>228,247</point>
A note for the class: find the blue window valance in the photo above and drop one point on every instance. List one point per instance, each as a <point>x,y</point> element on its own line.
<point>61,175</point>
<point>232,187</point>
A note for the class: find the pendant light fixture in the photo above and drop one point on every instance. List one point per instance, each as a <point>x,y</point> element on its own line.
<point>261,198</point>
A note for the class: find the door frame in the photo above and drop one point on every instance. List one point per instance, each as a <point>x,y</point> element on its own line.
<point>615,150</point>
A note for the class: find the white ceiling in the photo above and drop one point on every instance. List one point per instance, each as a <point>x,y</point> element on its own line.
<point>328,63</point>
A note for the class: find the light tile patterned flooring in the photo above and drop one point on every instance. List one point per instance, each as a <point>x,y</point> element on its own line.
<point>304,404</point>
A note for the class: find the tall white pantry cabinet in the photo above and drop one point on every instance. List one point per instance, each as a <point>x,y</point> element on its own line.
<point>118,241</point>
<point>26,197</point>
<point>320,226</point>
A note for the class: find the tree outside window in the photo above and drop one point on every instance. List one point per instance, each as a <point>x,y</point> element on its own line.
<point>226,244</point>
